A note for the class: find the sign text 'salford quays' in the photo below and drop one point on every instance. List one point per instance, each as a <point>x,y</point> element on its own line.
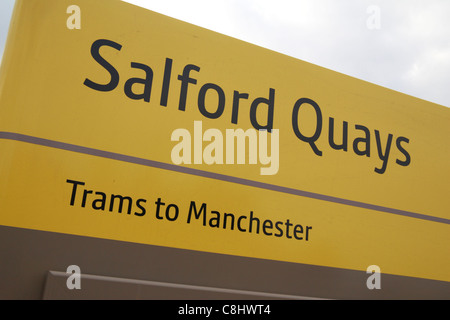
<point>361,146</point>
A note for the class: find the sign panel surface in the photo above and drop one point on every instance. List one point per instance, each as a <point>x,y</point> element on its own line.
<point>117,123</point>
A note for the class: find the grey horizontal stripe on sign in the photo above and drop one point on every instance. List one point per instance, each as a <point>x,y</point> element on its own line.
<point>211,175</point>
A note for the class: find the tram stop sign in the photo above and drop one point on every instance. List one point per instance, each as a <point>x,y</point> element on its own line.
<point>120,123</point>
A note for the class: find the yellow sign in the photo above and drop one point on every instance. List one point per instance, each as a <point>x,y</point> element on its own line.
<point>120,123</point>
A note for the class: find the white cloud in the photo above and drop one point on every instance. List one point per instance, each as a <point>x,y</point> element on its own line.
<point>6,7</point>
<point>408,53</point>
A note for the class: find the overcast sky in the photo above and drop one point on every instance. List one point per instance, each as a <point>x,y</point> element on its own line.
<point>400,44</point>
